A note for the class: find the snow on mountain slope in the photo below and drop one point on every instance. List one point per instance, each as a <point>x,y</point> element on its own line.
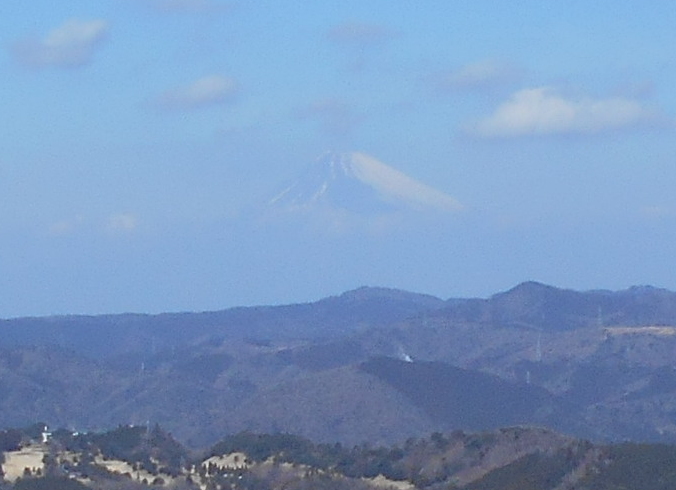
<point>360,183</point>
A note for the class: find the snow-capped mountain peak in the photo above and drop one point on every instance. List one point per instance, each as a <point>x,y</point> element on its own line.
<point>360,183</point>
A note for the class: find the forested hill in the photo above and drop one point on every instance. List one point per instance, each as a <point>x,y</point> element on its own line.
<point>141,457</point>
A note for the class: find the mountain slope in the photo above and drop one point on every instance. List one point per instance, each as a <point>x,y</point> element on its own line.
<point>463,399</point>
<point>359,183</point>
<point>343,404</point>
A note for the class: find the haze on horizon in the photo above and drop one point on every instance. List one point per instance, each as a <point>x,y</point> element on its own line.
<point>141,138</point>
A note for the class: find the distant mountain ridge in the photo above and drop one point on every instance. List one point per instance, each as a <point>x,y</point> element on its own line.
<point>372,364</point>
<point>540,306</point>
<point>329,317</point>
<point>529,304</point>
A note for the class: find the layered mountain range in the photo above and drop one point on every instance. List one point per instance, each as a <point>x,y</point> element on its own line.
<point>372,364</point>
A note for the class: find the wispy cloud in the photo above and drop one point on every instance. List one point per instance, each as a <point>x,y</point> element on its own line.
<point>190,6</point>
<point>207,91</point>
<point>359,33</point>
<point>656,212</point>
<point>66,226</point>
<point>335,116</point>
<point>359,39</point>
<point>121,223</point>
<point>70,45</point>
<point>480,75</point>
<point>114,224</point>
<point>544,111</point>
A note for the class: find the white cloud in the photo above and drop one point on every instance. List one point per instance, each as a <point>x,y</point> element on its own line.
<point>204,92</point>
<point>70,45</point>
<point>479,75</point>
<point>543,111</point>
<point>121,223</point>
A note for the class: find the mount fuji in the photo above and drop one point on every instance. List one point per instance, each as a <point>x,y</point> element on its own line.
<point>358,183</point>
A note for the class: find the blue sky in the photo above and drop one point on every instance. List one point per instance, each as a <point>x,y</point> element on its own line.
<point>138,134</point>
